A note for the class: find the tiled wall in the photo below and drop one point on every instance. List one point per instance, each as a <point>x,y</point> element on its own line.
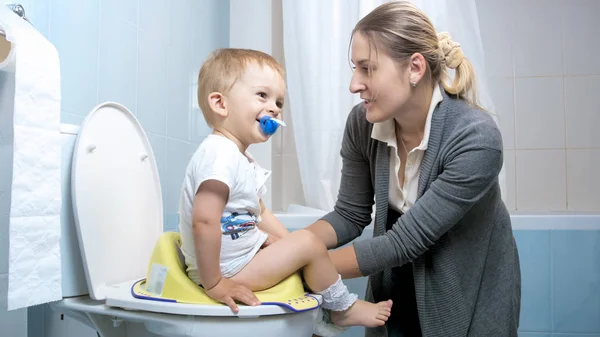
<point>561,282</point>
<point>544,76</point>
<point>542,60</point>
<point>144,54</point>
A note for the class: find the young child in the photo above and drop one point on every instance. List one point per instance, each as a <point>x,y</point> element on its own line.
<point>224,223</point>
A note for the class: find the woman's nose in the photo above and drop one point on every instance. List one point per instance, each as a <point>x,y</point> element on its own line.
<point>356,85</point>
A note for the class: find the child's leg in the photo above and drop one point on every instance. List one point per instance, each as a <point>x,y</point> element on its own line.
<point>286,256</point>
<point>302,249</point>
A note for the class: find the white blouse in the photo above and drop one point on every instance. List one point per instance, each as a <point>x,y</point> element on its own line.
<point>402,198</point>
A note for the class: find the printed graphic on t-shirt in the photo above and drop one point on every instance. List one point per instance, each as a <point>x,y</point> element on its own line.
<point>235,224</point>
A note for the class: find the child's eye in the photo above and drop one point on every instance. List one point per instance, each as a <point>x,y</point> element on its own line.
<point>262,95</point>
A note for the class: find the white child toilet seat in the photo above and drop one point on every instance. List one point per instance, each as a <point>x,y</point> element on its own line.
<point>118,212</point>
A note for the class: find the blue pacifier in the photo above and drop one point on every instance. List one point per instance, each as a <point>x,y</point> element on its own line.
<point>269,125</point>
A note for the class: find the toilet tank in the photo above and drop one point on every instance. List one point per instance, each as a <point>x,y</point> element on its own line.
<point>73,276</point>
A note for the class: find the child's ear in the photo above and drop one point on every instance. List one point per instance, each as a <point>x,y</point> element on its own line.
<point>216,100</point>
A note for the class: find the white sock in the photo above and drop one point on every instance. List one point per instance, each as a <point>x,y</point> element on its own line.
<point>337,297</point>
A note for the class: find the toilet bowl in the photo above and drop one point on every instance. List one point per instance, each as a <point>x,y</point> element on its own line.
<point>120,271</point>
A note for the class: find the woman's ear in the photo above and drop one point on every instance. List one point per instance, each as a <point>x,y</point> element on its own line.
<point>418,66</point>
<point>216,101</point>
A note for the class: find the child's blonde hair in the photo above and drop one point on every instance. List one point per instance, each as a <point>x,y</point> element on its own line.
<point>223,68</point>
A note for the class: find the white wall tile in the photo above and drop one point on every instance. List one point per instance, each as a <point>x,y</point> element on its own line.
<point>502,91</point>
<point>582,111</point>
<point>583,184</point>
<point>495,23</point>
<point>537,35</point>
<point>540,118</point>
<point>510,188</point>
<point>580,38</point>
<point>541,180</point>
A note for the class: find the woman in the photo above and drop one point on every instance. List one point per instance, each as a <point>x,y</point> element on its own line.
<point>443,247</point>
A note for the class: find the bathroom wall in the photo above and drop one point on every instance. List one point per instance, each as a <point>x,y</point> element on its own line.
<point>541,58</point>
<point>144,55</point>
<point>545,77</point>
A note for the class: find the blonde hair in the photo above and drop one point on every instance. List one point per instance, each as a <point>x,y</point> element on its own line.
<point>223,68</point>
<point>402,30</point>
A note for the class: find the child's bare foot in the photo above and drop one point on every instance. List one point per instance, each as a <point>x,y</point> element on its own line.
<point>363,313</point>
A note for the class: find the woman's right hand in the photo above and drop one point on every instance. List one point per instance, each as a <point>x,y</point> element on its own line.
<point>228,291</point>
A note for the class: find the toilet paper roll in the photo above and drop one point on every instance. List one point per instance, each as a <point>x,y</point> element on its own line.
<point>30,130</point>
<point>7,52</point>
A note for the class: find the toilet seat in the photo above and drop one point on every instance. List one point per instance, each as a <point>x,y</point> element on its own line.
<point>114,169</point>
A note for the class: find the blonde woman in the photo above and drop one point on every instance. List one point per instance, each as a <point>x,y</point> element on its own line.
<point>429,157</point>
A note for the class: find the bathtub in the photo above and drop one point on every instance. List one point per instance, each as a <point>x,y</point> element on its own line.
<point>560,268</point>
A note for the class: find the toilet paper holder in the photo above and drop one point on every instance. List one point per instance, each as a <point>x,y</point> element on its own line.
<point>17,9</point>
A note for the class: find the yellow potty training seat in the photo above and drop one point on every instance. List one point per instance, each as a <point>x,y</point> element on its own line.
<point>168,281</point>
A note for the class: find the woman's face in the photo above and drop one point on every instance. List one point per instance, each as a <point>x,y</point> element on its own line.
<point>387,89</point>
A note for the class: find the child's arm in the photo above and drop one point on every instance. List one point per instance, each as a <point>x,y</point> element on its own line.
<point>270,224</point>
<point>209,203</point>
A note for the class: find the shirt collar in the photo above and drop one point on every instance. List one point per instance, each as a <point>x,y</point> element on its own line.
<point>386,132</point>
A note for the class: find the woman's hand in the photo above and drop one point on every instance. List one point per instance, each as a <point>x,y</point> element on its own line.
<point>227,291</point>
<point>345,261</point>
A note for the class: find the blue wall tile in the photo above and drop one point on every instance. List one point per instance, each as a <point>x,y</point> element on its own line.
<point>534,253</point>
<point>144,55</point>
<point>178,156</point>
<point>117,75</point>
<point>123,10</point>
<point>576,274</point>
<point>152,82</point>
<point>78,52</point>
<point>159,147</point>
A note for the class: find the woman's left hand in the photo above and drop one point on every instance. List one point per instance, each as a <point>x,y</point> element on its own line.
<point>345,262</point>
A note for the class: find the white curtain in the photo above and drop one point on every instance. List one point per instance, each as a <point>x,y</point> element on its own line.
<point>316,36</point>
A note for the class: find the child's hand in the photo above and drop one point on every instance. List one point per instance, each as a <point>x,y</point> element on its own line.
<point>227,291</point>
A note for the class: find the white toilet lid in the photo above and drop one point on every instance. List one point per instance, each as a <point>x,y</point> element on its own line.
<point>117,200</point>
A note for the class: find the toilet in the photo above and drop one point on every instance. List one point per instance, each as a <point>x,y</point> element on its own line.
<point>121,275</point>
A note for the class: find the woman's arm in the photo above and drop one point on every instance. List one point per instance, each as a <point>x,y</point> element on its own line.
<point>354,206</point>
<point>469,171</point>
<point>324,231</point>
<point>345,261</point>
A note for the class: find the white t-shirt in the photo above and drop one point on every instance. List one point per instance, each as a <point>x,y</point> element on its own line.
<point>220,159</point>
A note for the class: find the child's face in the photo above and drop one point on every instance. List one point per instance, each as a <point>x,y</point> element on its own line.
<point>258,93</point>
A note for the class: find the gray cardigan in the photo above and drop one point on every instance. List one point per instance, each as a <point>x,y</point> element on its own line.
<point>457,235</point>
